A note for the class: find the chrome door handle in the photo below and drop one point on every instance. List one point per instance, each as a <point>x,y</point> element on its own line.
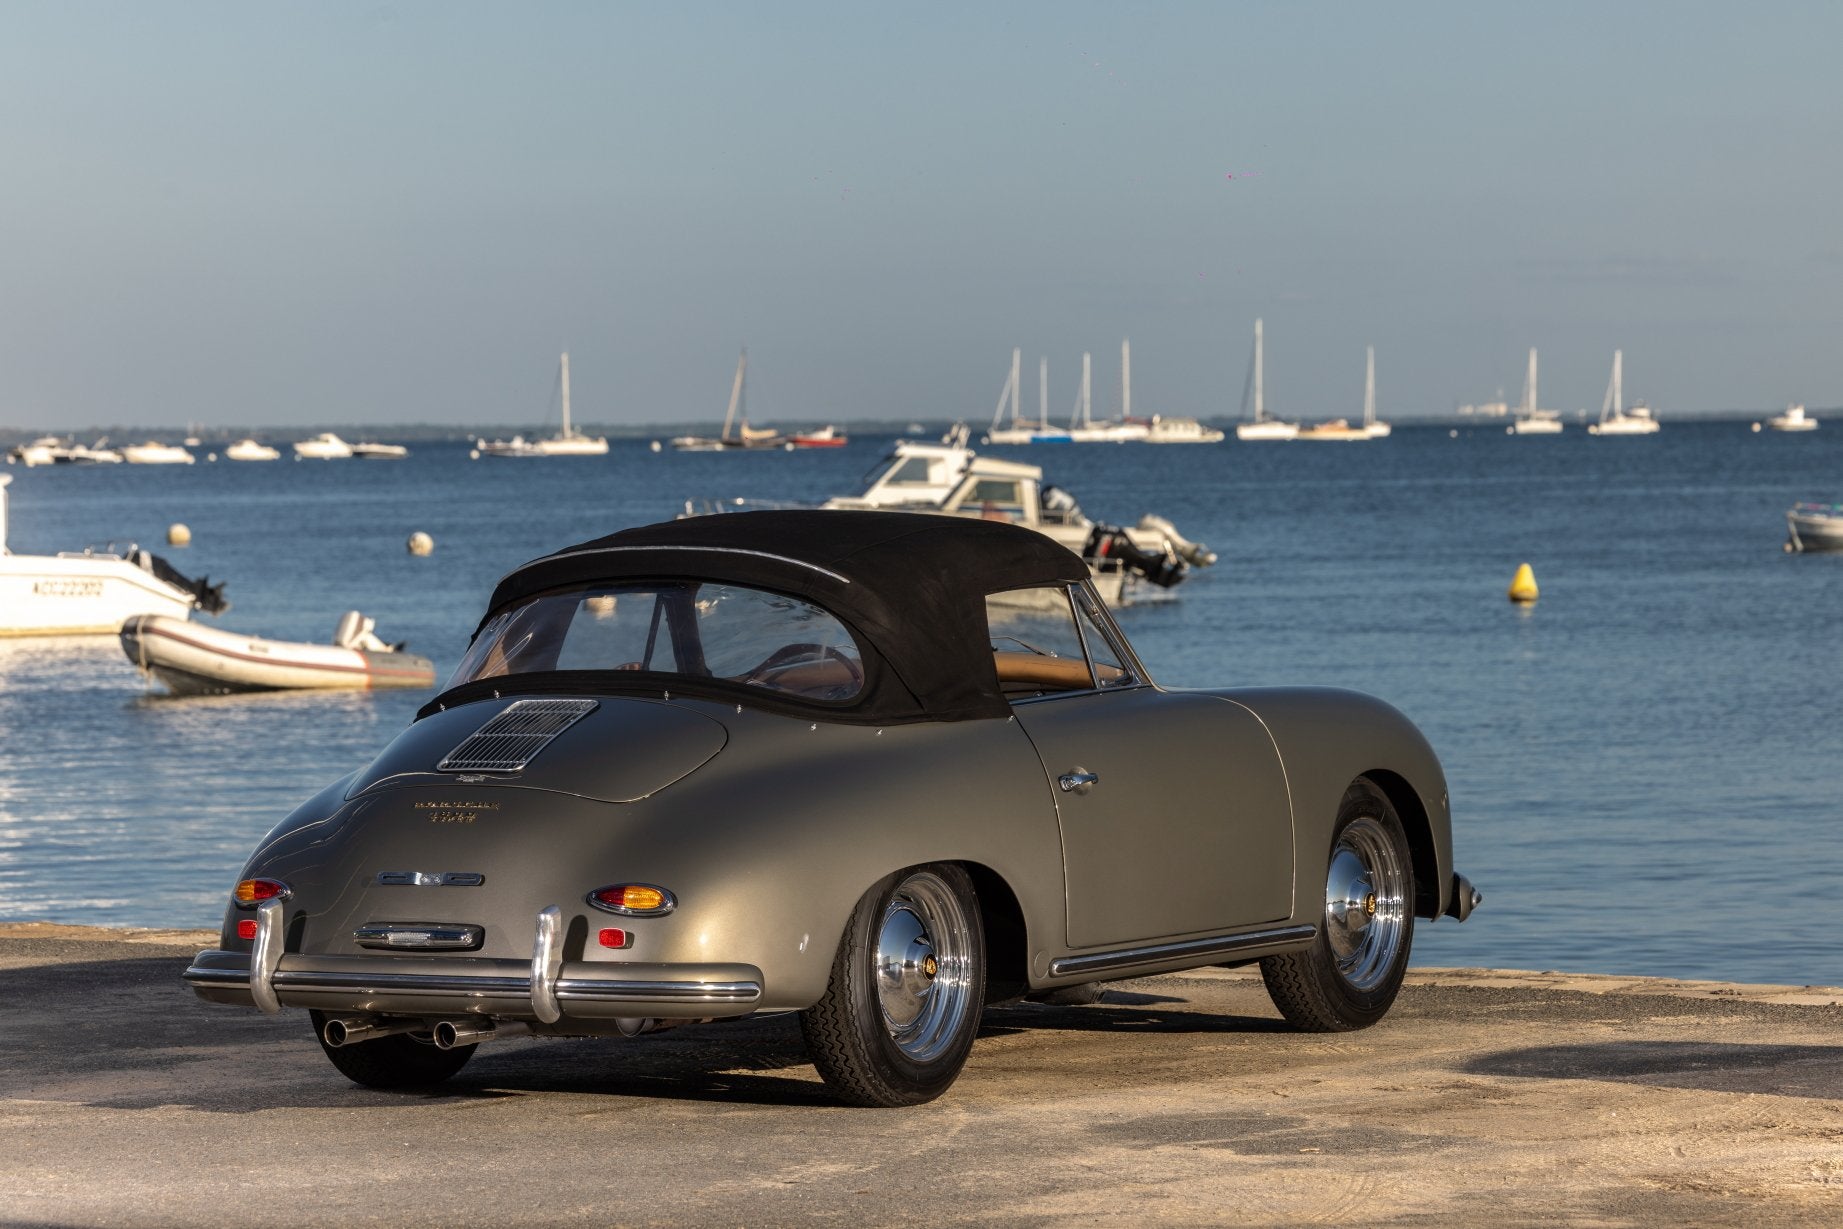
<point>1078,782</point>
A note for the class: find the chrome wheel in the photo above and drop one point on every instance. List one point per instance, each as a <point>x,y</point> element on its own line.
<point>923,967</point>
<point>1366,903</point>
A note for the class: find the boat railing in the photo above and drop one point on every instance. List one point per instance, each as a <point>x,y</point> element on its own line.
<point>711,507</point>
<point>1818,509</point>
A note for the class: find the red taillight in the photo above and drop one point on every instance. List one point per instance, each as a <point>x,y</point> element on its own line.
<point>615,938</point>
<point>255,891</point>
<point>633,899</point>
<point>246,929</point>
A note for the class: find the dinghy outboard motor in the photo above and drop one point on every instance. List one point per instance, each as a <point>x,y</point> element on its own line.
<point>1162,568</point>
<point>355,631</point>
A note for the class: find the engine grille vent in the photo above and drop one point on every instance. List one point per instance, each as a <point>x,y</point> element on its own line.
<point>515,735</point>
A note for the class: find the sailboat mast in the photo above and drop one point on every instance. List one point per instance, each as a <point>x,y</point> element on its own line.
<point>1085,408</point>
<point>566,394</point>
<point>1043,389</point>
<point>1260,406</point>
<point>729,419</point>
<point>1016,355</point>
<point>1126,378</point>
<point>1530,398</point>
<point>1369,389</point>
<point>1618,383</point>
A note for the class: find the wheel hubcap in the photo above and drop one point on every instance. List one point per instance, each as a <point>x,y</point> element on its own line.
<point>1366,906</point>
<point>923,966</point>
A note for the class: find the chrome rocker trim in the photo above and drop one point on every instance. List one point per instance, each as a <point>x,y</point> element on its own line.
<point>1218,945</point>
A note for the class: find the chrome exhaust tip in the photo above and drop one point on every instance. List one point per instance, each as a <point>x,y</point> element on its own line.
<point>351,1030</point>
<point>452,1034</point>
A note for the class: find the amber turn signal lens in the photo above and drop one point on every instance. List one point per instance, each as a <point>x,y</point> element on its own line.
<point>640,899</point>
<point>255,891</point>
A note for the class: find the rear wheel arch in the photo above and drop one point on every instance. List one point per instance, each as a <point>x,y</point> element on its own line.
<point>1419,830</point>
<point>1007,936</point>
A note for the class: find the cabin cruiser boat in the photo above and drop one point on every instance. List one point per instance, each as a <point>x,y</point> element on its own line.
<point>193,660</point>
<point>93,591</point>
<point>94,454</point>
<point>154,453</point>
<point>1794,419</point>
<point>569,442</point>
<point>41,451</point>
<point>1163,430</point>
<point>380,452</point>
<point>738,435</point>
<point>250,450</point>
<point>323,447</point>
<point>1615,419</point>
<point>1261,427</point>
<point>951,479</point>
<point>1814,527</point>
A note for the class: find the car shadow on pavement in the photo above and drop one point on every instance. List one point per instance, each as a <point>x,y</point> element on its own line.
<point>1780,1070</point>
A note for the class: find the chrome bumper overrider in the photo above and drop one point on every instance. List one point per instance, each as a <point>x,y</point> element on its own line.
<point>1465,898</point>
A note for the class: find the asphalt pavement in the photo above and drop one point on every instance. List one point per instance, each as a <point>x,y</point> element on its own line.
<point>1484,1098</point>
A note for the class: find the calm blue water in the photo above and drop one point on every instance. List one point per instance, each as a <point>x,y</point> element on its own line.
<point>1644,767</point>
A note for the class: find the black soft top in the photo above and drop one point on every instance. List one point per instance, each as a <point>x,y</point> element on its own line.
<point>910,586</point>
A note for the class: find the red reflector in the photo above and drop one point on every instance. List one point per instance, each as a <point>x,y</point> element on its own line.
<point>246,929</point>
<point>614,938</point>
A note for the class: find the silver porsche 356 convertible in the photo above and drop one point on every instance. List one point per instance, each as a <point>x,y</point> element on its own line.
<point>877,768</point>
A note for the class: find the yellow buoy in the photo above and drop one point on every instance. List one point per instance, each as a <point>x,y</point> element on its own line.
<point>178,535</point>
<point>421,543</point>
<point>1523,584</point>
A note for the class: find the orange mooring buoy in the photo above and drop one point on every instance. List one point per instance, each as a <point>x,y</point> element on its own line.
<point>1523,585</point>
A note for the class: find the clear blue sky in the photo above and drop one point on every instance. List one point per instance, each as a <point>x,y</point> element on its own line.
<point>384,212</point>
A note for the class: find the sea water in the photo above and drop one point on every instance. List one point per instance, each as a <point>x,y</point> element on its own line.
<point>1643,766</point>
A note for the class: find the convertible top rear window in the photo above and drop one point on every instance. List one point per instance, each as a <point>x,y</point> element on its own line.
<point>688,629</point>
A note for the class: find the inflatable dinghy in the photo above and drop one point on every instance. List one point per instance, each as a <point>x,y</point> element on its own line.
<point>194,660</point>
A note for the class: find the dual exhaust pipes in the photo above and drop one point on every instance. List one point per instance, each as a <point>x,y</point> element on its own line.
<point>452,1034</point>
<point>446,1034</point>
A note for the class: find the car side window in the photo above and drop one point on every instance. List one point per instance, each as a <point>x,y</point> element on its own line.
<point>1110,664</point>
<point>1035,643</point>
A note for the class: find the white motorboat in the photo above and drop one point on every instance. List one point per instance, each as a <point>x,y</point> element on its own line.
<point>91,592</point>
<point>94,454</point>
<point>1261,427</point>
<point>250,450</point>
<point>568,442</point>
<point>154,453</point>
<point>1615,417</point>
<point>1794,419</point>
<point>1814,527</point>
<point>193,660</point>
<point>1165,430</point>
<point>41,451</point>
<point>1530,419</point>
<point>951,479</point>
<point>738,435</point>
<point>323,447</point>
<point>380,452</point>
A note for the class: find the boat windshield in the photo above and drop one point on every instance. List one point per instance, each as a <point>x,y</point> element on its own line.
<point>687,629</point>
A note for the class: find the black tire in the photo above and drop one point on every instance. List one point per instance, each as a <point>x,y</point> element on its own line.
<point>1349,977</point>
<point>903,1005</point>
<point>400,1061</point>
<point>1081,994</point>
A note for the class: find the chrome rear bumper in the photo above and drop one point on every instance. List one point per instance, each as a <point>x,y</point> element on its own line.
<point>395,985</point>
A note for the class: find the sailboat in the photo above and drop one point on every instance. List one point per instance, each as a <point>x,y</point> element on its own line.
<point>1530,419</point>
<point>1340,428</point>
<point>738,435</point>
<point>1615,419</point>
<point>1084,430</point>
<point>1262,427</point>
<point>567,443</point>
<point>1022,430</point>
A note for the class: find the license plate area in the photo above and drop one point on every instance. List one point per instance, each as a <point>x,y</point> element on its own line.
<point>420,936</point>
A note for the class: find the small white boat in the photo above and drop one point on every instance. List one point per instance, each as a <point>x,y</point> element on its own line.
<point>1261,427</point>
<point>567,443</point>
<point>41,451</point>
<point>193,660</point>
<point>1164,430</point>
<point>1531,420</point>
<point>1123,430</point>
<point>1794,419</point>
<point>1615,418</point>
<point>323,447</point>
<point>91,592</point>
<point>250,450</point>
<point>1814,527</point>
<point>1021,430</point>
<point>94,454</point>
<point>1342,428</point>
<point>154,453</point>
<point>380,452</point>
